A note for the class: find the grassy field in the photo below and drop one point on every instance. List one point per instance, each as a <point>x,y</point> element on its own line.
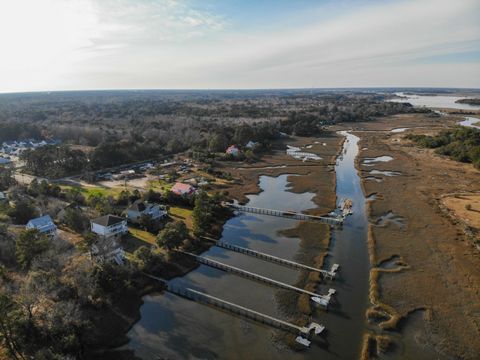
<point>94,190</point>
<point>184,214</point>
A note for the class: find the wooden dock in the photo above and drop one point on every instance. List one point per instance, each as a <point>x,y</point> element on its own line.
<point>318,298</point>
<point>287,214</point>
<point>200,297</point>
<point>326,273</point>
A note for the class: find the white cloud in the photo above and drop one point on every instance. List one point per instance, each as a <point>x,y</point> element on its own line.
<point>87,44</point>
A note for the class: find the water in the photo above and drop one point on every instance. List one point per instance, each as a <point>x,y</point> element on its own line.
<point>470,122</point>
<point>437,101</point>
<point>173,327</point>
<point>370,161</point>
<point>385,172</point>
<point>297,153</point>
<point>399,130</point>
<point>390,217</point>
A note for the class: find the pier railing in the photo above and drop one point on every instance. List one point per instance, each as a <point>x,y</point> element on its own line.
<point>326,273</point>
<point>318,298</point>
<point>286,214</point>
<point>201,297</point>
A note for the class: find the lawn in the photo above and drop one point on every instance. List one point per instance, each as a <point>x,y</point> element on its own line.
<point>142,235</point>
<point>136,238</point>
<point>94,190</point>
<point>181,213</point>
<point>160,185</point>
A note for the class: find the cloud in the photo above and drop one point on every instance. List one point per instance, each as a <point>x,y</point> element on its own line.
<point>86,44</point>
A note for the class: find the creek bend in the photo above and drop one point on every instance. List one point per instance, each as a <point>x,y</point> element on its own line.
<point>173,327</point>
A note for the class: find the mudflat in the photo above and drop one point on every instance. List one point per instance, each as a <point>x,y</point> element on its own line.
<point>425,276</point>
<point>316,176</point>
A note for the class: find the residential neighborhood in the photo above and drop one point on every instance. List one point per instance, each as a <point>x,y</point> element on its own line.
<point>15,148</point>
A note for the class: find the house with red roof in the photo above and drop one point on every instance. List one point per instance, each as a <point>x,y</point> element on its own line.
<point>183,189</point>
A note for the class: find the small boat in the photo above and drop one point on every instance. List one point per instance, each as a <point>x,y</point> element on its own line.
<point>322,301</point>
<point>346,207</point>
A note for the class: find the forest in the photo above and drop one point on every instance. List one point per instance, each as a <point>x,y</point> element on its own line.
<point>460,144</point>
<point>103,129</point>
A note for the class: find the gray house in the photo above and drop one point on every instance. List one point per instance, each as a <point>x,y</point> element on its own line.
<point>139,208</point>
<point>43,224</point>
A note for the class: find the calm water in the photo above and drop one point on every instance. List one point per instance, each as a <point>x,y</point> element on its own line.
<point>439,101</point>
<point>471,122</point>
<point>172,327</point>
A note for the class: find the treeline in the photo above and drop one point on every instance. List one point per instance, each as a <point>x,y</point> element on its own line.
<point>469,101</point>
<point>122,127</point>
<point>14,131</point>
<point>89,118</point>
<point>461,144</point>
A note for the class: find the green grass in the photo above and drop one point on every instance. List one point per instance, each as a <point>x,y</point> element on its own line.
<point>183,214</point>
<point>160,185</point>
<point>94,190</point>
<point>143,235</point>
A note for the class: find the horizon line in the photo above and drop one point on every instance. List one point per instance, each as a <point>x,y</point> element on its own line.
<point>239,89</point>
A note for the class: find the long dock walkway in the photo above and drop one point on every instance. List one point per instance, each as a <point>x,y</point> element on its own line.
<point>195,295</point>
<point>286,214</point>
<point>320,299</point>
<point>327,273</point>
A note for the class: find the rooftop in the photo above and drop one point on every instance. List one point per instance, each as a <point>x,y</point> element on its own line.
<point>41,221</point>
<point>138,205</point>
<point>108,220</point>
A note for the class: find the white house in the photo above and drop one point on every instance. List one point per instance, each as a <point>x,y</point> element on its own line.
<point>139,208</point>
<point>44,225</point>
<point>109,226</point>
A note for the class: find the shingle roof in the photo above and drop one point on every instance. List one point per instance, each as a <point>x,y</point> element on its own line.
<point>41,221</point>
<point>108,220</point>
<point>138,205</point>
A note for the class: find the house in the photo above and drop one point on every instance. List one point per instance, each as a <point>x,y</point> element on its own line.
<point>233,150</point>
<point>251,144</point>
<point>108,250</point>
<point>139,208</point>
<point>183,189</point>
<point>109,226</point>
<point>3,197</point>
<point>126,174</point>
<point>43,224</point>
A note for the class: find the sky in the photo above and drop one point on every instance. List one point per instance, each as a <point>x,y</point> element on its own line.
<point>48,45</point>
